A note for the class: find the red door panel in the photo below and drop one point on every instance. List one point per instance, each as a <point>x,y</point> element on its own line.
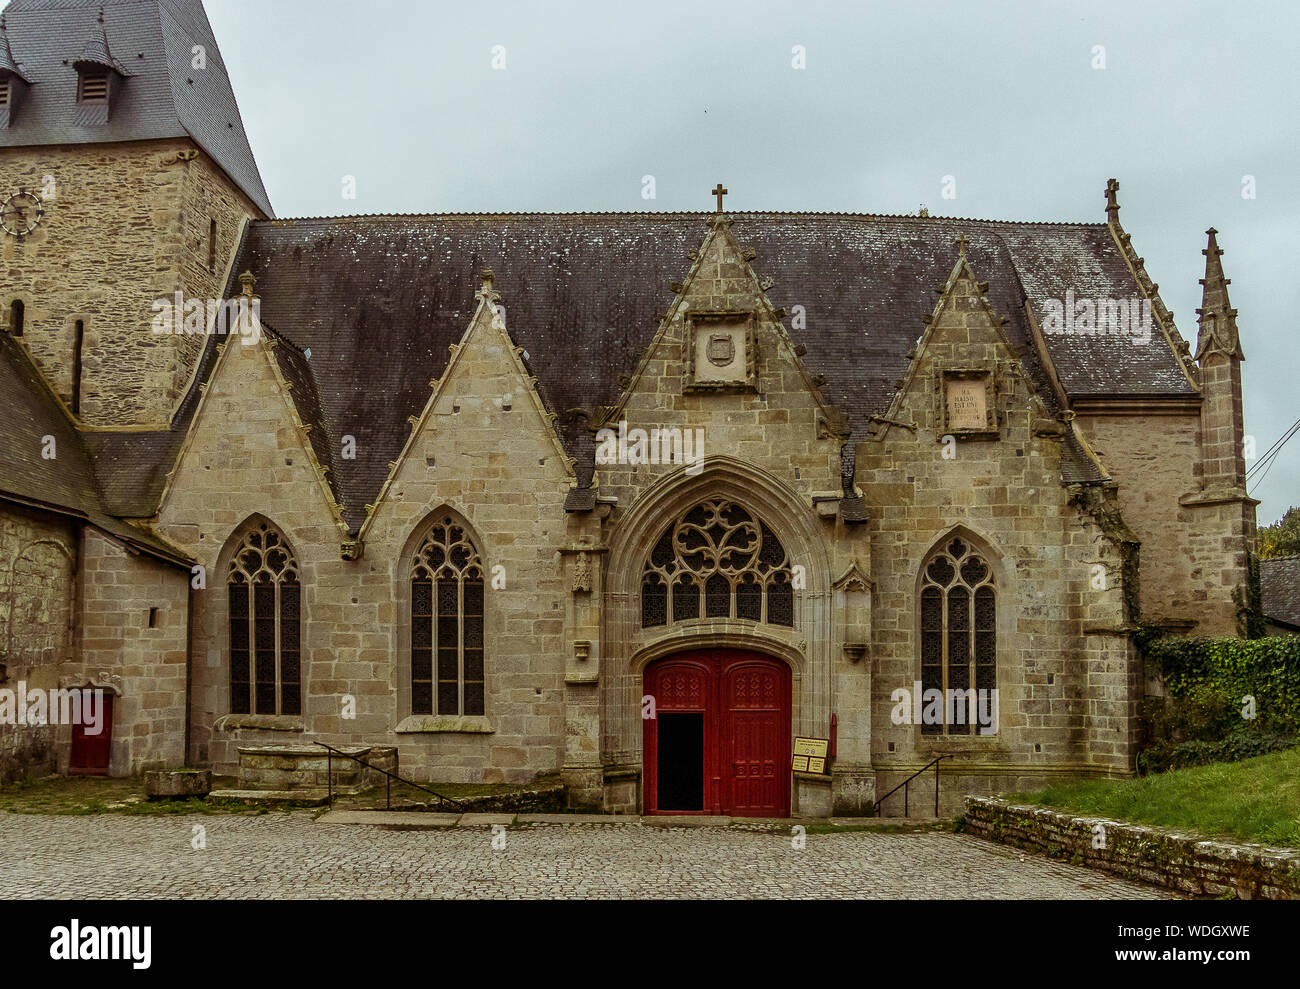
<point>757,735</point>
<point>90,753</point>
<point>756,762</point>
<point>743,758</point>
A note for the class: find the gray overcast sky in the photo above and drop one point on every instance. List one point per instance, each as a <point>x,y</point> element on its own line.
<point>1003,96</point>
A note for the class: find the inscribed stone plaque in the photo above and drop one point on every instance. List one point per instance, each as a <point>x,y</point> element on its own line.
<point>967,403</point>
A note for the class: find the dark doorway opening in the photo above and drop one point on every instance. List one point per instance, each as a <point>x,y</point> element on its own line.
<point>681,762</point>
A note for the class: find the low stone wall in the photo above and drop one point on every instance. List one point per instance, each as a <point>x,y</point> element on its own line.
<point>26,752</point>
<point>1179,862</point>
<point>308,767</point>
<point>177,784</point>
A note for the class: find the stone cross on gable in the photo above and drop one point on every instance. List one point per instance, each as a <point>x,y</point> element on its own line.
<point>720,192</point>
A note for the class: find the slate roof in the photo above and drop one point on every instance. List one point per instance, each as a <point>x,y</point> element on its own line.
<point>377,301</point>
<point>8,66</point>
<point>31,414</point>
<point>1077,465</point>
<point>96,52</point>
<point>1279,584</point>
<point>165,97</point>
<point>64,484</point>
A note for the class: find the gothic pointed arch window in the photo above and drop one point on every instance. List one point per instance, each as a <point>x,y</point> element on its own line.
<point>717,561</point>
<point>958,633</point>
<point>265,611</point>
<point>447,648</point>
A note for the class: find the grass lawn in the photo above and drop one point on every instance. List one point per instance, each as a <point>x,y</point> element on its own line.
<point>1256,800</point>
<point>82,795</point>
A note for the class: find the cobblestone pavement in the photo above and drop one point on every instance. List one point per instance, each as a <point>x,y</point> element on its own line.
<point>293,856</point>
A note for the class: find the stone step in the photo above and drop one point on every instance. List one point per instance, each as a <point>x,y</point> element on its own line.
<point>311,796</point>
<point>429,820</point>
<point>413,820</point>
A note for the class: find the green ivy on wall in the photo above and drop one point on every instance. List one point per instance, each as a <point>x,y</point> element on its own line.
<point>1267,670</point>
<point>1250,603</point>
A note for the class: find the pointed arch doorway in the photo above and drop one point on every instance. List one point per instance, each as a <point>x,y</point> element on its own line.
<point>719,742</point>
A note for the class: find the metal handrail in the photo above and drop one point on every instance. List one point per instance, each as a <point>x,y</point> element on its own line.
<point>904,787</point>
<point>388,783</point>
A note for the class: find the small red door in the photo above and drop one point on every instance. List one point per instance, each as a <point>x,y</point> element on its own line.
<point>720,739</point>
<point>90,753</point>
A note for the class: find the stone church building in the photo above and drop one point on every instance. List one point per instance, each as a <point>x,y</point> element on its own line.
<point>634,499</point>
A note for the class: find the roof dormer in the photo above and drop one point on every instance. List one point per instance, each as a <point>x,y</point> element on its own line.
<point>13,84</point>
<point>99,78</point>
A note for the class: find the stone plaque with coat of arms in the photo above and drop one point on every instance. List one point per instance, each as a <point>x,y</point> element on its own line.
<point>720,350</point>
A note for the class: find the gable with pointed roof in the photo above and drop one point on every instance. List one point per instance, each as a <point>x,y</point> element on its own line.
<point>378,301</point>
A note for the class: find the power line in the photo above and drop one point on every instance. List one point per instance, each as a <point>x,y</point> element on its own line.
<point>1270,452</point>
<point>1270,458</point>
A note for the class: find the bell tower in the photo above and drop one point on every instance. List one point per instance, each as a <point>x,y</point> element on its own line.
<point>125,181</point>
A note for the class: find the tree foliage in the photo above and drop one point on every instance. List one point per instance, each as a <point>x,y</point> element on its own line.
<point>1282,538</point>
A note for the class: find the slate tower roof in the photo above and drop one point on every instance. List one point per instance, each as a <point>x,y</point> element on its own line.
<point>95,52</point>
<point>8,66</point>
<point>150,42</point>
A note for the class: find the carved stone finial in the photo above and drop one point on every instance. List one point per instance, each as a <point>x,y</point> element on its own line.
<point>246,281</point>
<point>1112,201</point>
<point>1217,319</point>
<point>488,293</point>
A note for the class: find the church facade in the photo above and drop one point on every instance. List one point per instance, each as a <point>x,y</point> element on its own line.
<point>634,499</point>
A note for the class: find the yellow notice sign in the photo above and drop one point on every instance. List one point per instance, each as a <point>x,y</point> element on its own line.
<point>819,747</point>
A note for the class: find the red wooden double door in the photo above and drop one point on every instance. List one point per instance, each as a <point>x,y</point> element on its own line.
<point>719,739</point>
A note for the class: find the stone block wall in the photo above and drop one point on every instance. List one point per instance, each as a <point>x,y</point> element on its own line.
<point>124,225</point>
<point>132,618</point>
<point>37,592</point>
<point>1216,544</point>
<point>1153,459</point>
